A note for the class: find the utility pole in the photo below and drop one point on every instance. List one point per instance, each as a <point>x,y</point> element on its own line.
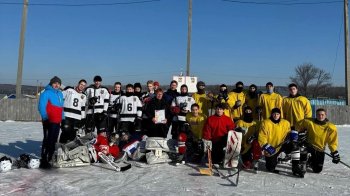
<point>21,50</point>
<point>189,37</point>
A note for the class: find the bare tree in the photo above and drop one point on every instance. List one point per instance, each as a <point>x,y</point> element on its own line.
<point>311,80</point>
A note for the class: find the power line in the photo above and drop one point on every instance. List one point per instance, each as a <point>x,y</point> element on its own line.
<point>80,4</point>
<point>283,2</point>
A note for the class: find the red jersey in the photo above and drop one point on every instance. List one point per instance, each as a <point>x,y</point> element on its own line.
<point>217,127</point>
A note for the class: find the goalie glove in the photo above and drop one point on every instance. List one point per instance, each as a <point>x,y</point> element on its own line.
<point>269,149</point>
<point>207,145</point>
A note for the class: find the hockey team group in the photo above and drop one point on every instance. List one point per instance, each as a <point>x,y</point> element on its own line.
<point>84,125</point>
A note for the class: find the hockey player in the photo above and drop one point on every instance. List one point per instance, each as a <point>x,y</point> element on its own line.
<point>74,111</point>
<point>236,99</point>
<point>97,102</point>
<point>251,150</point>
<point>158,127</point>
<point>130,113</point>
<point>51,110</point>
<point>102,145</point>
<point>138,90</point>
<point>222,97</point>
<point>215,133</point>
<point>295,107</point>
<point>273,136</point>
<point>269,100</point>
<point>146,99</point>
<point>196,121</point>
<point>114,108</point>
<point>319,133</point>
<point>252,100</point>
<point>201,98</point>
<point>180,106</point>
<point>171,93</point>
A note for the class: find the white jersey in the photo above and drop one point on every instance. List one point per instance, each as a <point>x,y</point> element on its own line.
<point>131,108</point>
<point>102,95</point>
<point>184,103</point>
<point>113,100</point>
<point>74,103</point>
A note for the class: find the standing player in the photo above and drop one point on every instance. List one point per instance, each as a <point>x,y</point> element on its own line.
<point>269,100</point>
<point>236,99</point>
<point>295,107</point>
<point>97,102</point>
<point>252,100</point>
<point>51,111</point>
<point>130,113</point>
<point>201,98</point>
<point>74,111</point>
<point>114,108</point>
<point>180,106</point>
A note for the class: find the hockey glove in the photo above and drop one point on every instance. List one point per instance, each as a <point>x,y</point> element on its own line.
<point>243,130</point>
<point>175,110</point>
<point>92,100</point>
<point>293,136</point>
<point>302,136</point>
<point>238,103</point>
<point>269,149</point>
<point>336,157</point>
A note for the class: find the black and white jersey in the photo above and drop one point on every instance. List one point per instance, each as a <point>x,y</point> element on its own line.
<point>184,102</point>
<point>131,108</point>
<point>102,96</point>
<point>113,102</point>
<point>74,103</point>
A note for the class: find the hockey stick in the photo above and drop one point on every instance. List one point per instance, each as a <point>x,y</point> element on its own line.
<point>339,161</point>
<point>207,171</point>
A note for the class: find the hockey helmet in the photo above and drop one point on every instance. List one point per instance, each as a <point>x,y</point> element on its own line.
<point>33,163</point>
<point>5,164</point>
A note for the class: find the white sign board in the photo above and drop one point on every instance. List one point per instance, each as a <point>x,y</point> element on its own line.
<point>191,83</point>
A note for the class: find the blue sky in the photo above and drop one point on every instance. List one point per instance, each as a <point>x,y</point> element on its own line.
<point>137,42</point>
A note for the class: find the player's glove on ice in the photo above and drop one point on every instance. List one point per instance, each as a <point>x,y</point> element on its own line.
<point>336,157</point>
<point>269,149</point>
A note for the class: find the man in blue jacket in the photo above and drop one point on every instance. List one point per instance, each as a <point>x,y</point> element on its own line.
<point>51,110</point>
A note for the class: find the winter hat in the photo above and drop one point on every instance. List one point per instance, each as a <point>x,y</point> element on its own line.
<point>223,85</point>
<point>155,83</point>
<point>275,110</point>
<point>269,84</point>
<point>97,78</point>
<point>137,84</point>
<point>200,83</point>
<point>239,83</point>
<point>184,85</point>
<point>55,79</point>
<point>253,85</point>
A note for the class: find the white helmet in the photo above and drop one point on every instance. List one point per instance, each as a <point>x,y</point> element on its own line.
<point>33,163</point>
<point>92,154</point>
<point>5,165</point>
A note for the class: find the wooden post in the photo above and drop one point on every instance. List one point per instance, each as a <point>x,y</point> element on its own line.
<point>21,50</point>
<point>189,37</point>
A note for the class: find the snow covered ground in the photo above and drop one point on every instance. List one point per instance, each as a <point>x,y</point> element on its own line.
<point>164,179</point>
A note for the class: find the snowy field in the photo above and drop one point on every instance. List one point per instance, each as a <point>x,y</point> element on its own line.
<point>164,179</point>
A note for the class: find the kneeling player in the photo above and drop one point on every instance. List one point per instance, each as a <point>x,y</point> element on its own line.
<point>273,133</point>
<point>319,133</point>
